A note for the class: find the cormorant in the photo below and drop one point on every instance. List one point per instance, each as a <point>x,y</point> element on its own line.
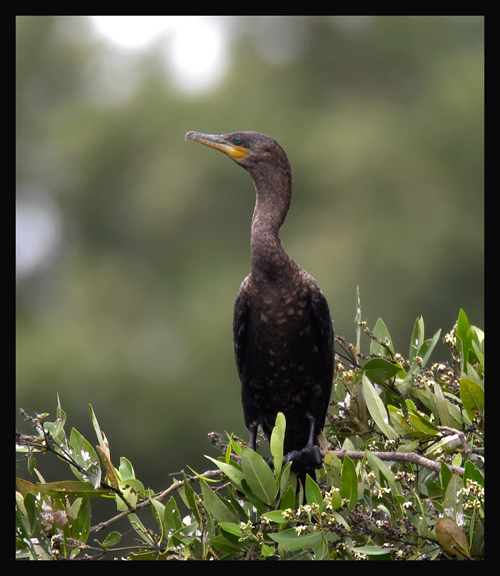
<point>282,329</point>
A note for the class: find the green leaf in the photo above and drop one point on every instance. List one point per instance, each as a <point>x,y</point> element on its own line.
<point>276,516</point>
<point>232,471</point>
<point>112,539</point>
<point>140,529</point>
<point>381,333</point>
<point>126,470</point>
<point>453,500</point>
<point>190,497</point>
<point>349,482</point>
<point>267,551</point>
<point>427,348</point>
<point>58,431</point>
<point>27,487</point>
<point>277,440</point>
<point>71,489</point>
<point>256,502</point>
<point>379,466</point>
<point>85,455</point>
<point>417,338</point>
<point>158,510</point>
<point>478,344</point>
<point>373,550</point>
<point>398,420</point>
<point>477,541</point>
<point>232,528</point>
<point>336,499</point>
<point>475,376</point>
<point>442,406</point>
<point>472,473</point>
<point>341,520</point>
<point>290,540</point>
<point>172,517</point>
<point>472,396</point>
<point>288,500</point>
<point>381,370</point>
<point>333,467</point>
<point>313,493</point>
<point>81,525</point>
<point>259,475</point>
<point>224,545</point>
<point>377,410</point>
<point>234,444</point>
<point>410,446</point>
<point>422,425</point>
<point>31,462</point>
<point>457,459</point>
<point>216,505</point>
<point>463,326</point>
<point>285,479</point>
<point>447,444</point>
<point>100,436</point>
<point>446,475</point>
<point>419,346</point>
<point>465,337</point>
<point>33,514</point>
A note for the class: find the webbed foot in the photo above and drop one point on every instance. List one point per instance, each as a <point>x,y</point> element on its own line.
<point>309,458</point>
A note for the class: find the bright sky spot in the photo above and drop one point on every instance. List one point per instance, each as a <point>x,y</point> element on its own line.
<point>132,31</point>
<point>198,52</point>
<point>194,46</point>
<point>38,233</point>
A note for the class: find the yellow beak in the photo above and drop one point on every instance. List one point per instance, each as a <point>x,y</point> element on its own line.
<point>234,151</point>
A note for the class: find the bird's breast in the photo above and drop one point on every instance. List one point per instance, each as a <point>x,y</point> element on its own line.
<point>282,341</point>
<point>276,313</point>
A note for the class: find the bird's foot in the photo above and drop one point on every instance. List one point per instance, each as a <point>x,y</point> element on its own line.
<point>309,458</point>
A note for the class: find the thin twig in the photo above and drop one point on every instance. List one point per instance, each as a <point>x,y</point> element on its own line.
<point>159,497</point>
<point>377,340</point>
<point>461,437</point>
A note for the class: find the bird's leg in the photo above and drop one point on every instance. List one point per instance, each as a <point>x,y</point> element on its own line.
<point>312,427</point>
<point>252,443</point>
<point>252,440</point>
<point>309,458</point>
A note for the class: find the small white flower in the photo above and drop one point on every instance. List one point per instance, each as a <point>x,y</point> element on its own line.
<point>449,512</point>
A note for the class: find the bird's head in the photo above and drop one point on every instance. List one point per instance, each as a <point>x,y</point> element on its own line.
<point>248,149</point>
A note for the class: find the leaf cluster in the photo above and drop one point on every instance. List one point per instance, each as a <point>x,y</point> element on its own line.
<point>403,474</point>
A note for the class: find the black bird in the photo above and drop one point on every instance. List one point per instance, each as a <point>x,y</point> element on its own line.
<point>282,328</point>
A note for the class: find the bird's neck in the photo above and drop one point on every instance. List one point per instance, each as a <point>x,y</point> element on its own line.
<point>273,195</point>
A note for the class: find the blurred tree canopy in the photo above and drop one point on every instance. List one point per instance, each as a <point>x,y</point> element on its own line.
<point>131,243</point>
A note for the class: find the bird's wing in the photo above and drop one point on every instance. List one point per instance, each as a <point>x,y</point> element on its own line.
<point>240,318</point>
<point>324,325</point>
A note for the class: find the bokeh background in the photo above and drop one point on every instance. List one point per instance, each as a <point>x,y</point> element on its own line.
<point>131,243</point>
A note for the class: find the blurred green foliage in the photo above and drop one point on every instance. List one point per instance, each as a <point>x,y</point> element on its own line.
<point>383,125</point>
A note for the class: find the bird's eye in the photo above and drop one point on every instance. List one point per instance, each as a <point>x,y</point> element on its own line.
<point>238,140</point>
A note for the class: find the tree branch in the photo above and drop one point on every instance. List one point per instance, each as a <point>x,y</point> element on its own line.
<point>410,457</point>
